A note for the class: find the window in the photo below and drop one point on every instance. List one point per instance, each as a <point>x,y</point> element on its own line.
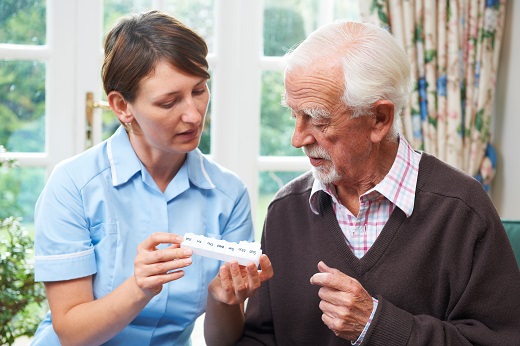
<point>51,55</point>
<point>32,126</point>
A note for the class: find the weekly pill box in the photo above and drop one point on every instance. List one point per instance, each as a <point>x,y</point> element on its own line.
<point>242,252</point>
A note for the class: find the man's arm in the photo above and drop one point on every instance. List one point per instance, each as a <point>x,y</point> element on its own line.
<point>224,321</point>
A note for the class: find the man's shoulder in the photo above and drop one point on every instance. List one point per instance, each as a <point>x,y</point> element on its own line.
<point>298,186</point>
<point>437,175</point>
<point>445,181</point>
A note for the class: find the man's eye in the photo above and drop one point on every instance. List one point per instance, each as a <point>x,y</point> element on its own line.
<point>319,124</point>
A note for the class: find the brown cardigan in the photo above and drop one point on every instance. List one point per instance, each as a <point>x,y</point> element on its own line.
<point>444,276</point>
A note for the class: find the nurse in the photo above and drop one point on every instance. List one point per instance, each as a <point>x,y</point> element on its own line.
<point>110,221</point>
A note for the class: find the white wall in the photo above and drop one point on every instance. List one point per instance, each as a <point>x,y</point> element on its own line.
<point>505,188</point>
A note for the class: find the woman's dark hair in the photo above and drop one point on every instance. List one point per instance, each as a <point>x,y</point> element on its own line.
<point>136,43</point>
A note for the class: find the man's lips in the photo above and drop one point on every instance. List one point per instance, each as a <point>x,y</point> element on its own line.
<point>316,161</point>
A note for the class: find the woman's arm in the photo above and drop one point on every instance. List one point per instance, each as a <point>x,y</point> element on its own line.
<point>79,319</point>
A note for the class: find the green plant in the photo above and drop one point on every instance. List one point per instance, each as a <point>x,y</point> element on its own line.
<point>20,296</point>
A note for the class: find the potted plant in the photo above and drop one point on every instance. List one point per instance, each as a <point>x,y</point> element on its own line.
<point>20,297</point>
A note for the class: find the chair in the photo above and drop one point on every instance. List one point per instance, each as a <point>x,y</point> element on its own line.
<point>513,232</point>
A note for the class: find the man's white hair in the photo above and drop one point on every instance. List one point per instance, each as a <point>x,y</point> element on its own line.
<point>375,66</point>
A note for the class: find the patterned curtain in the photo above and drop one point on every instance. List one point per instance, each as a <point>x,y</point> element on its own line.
<point>454,47</point>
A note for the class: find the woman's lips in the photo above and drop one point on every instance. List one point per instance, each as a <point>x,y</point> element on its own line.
<point>190,134</point>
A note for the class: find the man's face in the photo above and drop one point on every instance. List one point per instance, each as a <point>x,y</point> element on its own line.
<point>337,145</point>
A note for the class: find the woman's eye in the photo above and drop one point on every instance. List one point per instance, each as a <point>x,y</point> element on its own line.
<point>169,104</point>
<point>199,92</point>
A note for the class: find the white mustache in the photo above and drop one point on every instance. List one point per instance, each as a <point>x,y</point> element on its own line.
<point>316,151</point>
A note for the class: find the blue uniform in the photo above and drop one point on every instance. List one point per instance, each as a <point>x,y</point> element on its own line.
<point>98,206</point>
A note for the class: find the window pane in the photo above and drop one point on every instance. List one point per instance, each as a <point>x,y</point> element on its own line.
<point>347,10</point>
<point>114,9</point>
<point>22,106</point>
<point>269,183</point>
<point>22,21</point>
<point>19,190</point>
<point>287,23</point>
<point>275,120</point>
<point>195,14</point>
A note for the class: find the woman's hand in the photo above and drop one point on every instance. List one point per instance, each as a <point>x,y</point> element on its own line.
<point>153,267</point>
<point>235,283</point>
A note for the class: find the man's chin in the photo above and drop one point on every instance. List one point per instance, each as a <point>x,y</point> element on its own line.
<point>324,175</point>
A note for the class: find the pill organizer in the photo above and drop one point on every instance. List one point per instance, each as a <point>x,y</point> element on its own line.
<point>242,252</point>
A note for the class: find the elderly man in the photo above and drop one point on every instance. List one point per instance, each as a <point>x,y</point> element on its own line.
<point>381,244</point>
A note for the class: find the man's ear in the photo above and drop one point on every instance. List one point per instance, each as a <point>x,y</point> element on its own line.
<point>120,107</point>
<point>384,119</point>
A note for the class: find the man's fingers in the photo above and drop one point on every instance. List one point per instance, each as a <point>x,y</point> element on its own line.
<point>323,268</point>
<point>238,281</point>
<point>253,277</point>
<point>267,268</point>
<point>333,278</point>
<point>225,280</point>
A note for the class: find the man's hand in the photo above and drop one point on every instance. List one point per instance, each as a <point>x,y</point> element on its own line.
<point>235,283</point>
<point>345,304</point>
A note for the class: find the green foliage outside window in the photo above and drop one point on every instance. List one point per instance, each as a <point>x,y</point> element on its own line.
<point>20,296</point>
<point>22,22</point>
<point>22,83</point>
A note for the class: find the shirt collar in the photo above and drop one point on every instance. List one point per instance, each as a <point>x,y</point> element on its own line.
<point>398,186</point>
<point>124,163</point>
<point>197,162</point>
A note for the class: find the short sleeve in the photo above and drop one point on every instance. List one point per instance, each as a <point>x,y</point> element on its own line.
<point>63,247</point>
<point>240,224</point>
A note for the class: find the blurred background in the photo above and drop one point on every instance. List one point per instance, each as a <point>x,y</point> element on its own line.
<point>51,99</point>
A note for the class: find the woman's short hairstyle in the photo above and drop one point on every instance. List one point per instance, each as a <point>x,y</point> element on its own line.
<point>375,66</point>
<point>137,42</point>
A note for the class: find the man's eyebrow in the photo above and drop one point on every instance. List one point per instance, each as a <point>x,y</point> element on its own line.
<point>316,113</point>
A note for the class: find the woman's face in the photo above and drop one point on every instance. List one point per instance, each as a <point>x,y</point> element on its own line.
<point>169,111</point>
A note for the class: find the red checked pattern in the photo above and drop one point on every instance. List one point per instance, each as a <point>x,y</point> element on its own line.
<point>397,189</point>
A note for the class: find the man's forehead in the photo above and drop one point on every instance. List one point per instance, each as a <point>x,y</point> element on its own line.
<point>311,91</point>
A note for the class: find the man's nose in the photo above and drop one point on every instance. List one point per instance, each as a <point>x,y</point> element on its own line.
<point>301,135</point>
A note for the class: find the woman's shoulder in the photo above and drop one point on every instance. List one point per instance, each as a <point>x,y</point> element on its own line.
<point>208,173</point>
<point>82,167</point>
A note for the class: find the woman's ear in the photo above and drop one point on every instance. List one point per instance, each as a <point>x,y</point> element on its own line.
<point>120,107</point>
<point>384,119</point>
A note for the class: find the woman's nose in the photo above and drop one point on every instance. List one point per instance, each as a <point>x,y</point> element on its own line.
<point>191,113</point>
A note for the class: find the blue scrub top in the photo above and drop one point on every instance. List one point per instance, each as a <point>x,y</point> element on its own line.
<point>97,207</point>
